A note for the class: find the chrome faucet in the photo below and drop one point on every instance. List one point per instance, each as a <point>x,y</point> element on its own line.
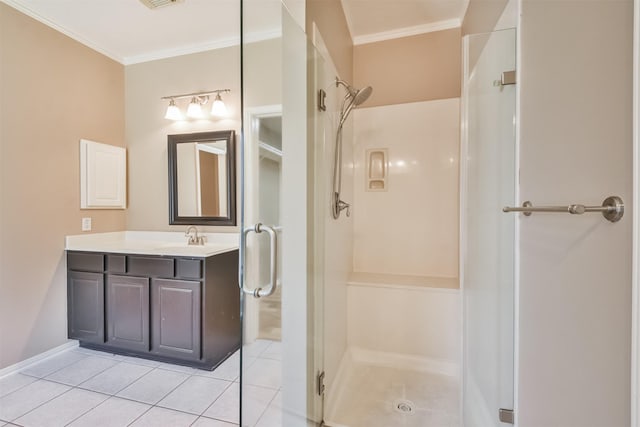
<point>194,239</point>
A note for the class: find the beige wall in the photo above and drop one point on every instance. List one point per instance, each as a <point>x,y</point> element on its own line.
<point>410,69</point>
<point>575,289</point>
<point>482,16</point>
<point>263,73</point>
<point>54,91</point>
<point>329,17</point>
<point>147,129</point>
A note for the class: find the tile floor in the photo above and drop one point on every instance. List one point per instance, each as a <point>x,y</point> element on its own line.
<point>270,315</point>
<point>81,387</point>
<point>371,394</point>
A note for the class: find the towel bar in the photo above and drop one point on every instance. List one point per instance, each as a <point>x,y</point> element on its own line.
<point>612,209</point>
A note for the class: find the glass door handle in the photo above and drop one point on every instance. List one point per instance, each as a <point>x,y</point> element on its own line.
<point>273,261</point>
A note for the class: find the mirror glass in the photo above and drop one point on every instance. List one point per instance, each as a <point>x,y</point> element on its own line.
<point>202,178</point>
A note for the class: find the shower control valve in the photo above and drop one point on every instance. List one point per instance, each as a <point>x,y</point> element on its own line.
<point>344,205</point>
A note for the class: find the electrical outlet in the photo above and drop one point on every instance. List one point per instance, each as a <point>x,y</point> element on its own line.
<point>86,224</point>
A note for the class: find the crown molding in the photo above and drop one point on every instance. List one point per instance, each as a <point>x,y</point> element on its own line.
<point>201,47</point>
<point>407,31</point>
<point>179,51</point>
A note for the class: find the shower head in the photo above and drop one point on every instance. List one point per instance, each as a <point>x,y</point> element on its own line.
<point>362,95</point>
<point>358,96</point>
<point>354,98</point>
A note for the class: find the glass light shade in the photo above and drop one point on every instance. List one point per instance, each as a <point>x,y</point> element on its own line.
<point>218,108</point>
<point>173,112</point>
<point>194,110</point>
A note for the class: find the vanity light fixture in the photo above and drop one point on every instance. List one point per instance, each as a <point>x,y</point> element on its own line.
<point>173,112</point>
<point>194,110</point>
<point>196,101</point>
<point>218,109</point>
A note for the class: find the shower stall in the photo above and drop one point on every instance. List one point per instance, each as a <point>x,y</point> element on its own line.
<point>358,319</point>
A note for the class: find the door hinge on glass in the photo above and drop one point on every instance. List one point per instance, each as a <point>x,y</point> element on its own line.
<point>320,379</point>
<point>507,416</point>
<point>508,78</point>
<point>322,95</point>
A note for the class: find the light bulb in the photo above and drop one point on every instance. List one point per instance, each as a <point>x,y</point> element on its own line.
<point>218,108</point>
<point>173,112</point>
<point>194,110</point>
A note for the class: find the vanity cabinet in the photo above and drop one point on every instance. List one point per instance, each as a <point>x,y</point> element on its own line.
<point>174,309</point>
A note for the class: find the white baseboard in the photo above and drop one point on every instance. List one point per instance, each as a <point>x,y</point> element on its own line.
<point>37,358</point>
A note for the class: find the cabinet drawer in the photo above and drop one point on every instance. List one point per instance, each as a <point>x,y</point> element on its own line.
<point>116,264</point>
<point>85,261</point>
<point>154,267</point>
<point>189,268</point>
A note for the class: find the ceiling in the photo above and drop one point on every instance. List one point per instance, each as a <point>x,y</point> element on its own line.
<point>129,32</point>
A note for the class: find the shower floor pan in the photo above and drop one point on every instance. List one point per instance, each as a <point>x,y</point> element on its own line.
<point>378,396</point>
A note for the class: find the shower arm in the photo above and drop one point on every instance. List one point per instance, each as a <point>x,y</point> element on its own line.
<point>350,90</point>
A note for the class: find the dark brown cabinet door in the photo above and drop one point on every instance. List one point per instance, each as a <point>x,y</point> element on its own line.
<point>128,312</point>
<point>85,296</point>
<point>176,318</point>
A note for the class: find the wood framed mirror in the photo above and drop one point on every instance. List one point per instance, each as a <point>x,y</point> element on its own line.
<point>202,178</point>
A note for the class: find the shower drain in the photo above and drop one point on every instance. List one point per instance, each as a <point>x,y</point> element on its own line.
<point>403,406</point>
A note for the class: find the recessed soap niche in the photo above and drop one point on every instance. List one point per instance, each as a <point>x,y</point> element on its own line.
<point>376,176</point>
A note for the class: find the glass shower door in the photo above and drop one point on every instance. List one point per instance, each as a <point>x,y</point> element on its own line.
<point>488,260</point>
<point>277,244</point>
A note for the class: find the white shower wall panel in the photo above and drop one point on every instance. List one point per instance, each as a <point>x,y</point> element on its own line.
<point>412,228</point>
<point>408,322</point>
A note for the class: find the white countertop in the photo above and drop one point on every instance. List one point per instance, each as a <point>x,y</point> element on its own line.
<point>152,243</point>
